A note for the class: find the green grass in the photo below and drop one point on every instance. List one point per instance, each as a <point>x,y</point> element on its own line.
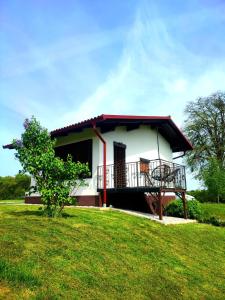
<point>14,201</point>
<point>214,209</point>
<point>95,254</point>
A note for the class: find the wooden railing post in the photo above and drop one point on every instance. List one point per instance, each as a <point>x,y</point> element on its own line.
<point>160,206</point>
<point>160,164</point>
<point>98,177</point>
<point>137,174</point>
<point>185,180</point>
<point>174,179</point>
<point>184,204</point>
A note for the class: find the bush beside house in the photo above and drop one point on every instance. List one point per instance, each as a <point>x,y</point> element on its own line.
<point>175,209</point>
<point>194,211</point>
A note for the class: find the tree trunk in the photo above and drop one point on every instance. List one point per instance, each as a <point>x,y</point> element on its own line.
<point>218,198</point>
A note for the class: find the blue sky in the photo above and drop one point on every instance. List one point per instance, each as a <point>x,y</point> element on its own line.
<point>64,61</point>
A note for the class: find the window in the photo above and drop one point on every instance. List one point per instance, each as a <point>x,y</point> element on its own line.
<point>81,151</point>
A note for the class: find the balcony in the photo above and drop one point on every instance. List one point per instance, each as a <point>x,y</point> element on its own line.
<point>146,175</point>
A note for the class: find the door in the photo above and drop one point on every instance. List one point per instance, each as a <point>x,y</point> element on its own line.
<point>119,165</point>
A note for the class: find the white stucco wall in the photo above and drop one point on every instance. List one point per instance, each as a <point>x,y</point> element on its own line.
<point>141,142</point>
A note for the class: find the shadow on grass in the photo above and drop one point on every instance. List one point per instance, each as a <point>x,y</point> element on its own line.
<point>38,213</point>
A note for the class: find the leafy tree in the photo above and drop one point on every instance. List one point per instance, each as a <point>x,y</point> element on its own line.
<point>202,195</point>
<point>54,178</point>
<point>14,187</point>
<point>205,127</point>
<point>214,179</point>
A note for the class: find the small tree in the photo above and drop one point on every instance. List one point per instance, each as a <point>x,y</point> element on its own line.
<point>54,178</point>
<point>214,179</point>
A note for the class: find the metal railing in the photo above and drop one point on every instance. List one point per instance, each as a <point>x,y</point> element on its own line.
<point>143,173</point>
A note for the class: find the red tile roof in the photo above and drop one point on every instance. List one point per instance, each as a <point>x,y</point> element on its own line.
<point>165,124</point>
<point>107,117</point>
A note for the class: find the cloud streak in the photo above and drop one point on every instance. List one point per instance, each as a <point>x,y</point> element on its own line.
<point>156,74</point>
<point>40,57</point>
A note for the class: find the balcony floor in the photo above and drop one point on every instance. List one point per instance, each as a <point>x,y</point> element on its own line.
<point>142,189</point>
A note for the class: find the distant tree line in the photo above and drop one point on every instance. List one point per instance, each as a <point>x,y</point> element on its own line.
<point>14,187</point>
<point>205,195</point>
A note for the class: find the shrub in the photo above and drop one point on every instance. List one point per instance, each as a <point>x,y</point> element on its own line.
<point>194,209</point>
<point>212,220</point>
<point>175,209</point>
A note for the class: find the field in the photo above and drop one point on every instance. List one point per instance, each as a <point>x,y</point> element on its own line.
<point>16,201</point>
<point>93,254</point>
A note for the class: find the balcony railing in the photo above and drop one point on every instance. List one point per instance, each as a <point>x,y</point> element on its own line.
<point>156,173</point>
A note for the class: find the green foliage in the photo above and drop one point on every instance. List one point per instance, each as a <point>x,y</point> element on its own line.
<point>194,209</point>
<point>205,127</point>
<point>213,209</point>
<point>205,213</point>
<point>14,187</point>
<point>175,209</point>
<point>213,213</point>
<point>202,195</point>
<point>54,178</point>
<point>212,220</point>
<point>214,179</point>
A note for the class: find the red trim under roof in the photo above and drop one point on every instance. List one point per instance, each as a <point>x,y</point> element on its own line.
<point>102,119</point>
<point>133,117</point>
<point>109,117</point>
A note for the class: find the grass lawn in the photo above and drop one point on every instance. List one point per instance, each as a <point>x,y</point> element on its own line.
<point>214,209</point>
<point>97,254</point>
<point>16,201</point>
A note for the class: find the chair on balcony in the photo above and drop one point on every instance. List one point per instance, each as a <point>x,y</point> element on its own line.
<point>165,173</point>
<point>145,171</point>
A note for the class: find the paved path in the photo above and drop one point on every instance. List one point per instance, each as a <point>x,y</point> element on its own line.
<point>166,220</point>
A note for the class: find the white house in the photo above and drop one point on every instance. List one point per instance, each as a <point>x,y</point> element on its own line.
<point>126,154</point>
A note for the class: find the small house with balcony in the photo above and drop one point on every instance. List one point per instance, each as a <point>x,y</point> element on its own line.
<point>131,161</point>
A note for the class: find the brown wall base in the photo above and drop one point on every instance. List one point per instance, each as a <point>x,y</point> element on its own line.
<point>122,201</point>
<point>167,199</point>
<point>81,200</point>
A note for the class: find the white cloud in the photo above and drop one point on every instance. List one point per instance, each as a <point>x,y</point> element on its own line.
<point>39,56</point>
<point>156,74</point>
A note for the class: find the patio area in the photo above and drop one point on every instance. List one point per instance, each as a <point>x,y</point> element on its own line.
<point>166,220</point>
